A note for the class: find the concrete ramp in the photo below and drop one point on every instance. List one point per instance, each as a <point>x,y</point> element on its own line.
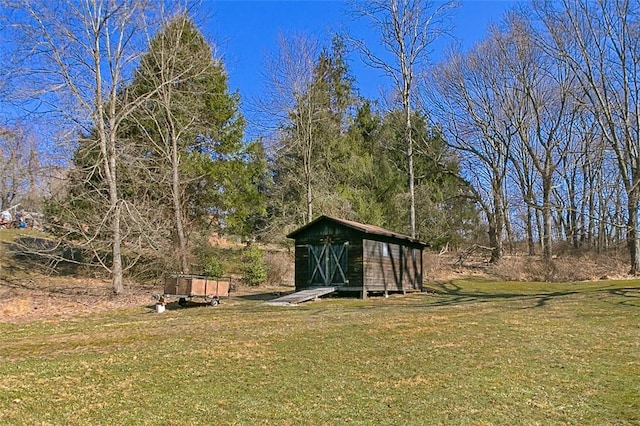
<point>301,296</point>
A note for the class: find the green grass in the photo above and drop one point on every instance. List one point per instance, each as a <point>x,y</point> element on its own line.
<point>469,352</point>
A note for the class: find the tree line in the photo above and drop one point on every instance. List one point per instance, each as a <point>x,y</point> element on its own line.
<point>529,138</point>
<point>544,114</point>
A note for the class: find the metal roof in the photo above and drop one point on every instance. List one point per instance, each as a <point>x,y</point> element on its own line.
<point>364,228</point>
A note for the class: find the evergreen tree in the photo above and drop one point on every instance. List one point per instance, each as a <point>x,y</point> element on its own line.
<point>362,172</point>
<point>312,145</point>
<point>189,134</point>
<point>355,161</point>
<point>183,165</point>
<point>375,178</point>
<point>443,211</point>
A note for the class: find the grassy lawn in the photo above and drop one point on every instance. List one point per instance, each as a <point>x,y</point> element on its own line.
<point>468,352</point>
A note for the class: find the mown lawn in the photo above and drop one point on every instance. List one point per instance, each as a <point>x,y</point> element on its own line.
<point>469,352</point>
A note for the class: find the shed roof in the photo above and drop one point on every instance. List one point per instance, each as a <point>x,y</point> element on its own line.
<point>364,228</point>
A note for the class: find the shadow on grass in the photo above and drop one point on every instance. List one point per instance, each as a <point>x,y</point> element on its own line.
<point>461,296</point>
<point>263,297</point>
<point>451,293</point>
<point>175,305</point>
<point>456,294</point>
<point>631,296</point>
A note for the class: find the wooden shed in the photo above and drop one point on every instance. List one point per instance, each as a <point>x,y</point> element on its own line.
<point>352,256</point>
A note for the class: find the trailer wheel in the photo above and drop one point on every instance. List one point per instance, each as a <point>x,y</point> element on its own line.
<point>214,302</point>
<point>182,301</point>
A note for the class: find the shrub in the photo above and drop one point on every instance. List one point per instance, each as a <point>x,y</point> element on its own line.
<point>254,268</point>
<point>211,266</point>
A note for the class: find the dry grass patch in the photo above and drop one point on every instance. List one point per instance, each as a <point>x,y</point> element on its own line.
<point>566,266</point>
<point>32,297</point>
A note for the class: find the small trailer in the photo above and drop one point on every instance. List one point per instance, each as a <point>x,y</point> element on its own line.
<point>186,287</point>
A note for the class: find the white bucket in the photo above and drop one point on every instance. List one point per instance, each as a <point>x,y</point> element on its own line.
<point>159,308</point>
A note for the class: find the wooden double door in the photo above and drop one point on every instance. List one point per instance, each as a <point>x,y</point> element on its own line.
<point>328,264</point>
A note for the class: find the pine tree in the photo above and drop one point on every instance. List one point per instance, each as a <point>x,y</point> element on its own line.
<point>443,211</point>
<point>189,135</point>
<point>183,166</point>
<point>306,168</point>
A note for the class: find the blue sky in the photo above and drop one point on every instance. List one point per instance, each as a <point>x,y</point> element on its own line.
<point>245,31</point>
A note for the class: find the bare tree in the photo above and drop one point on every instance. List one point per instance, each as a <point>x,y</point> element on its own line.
<point>25,169</point>
<point>75,57</point>
<point>543,89</point>
<point>12,162</point>
<point>291,97</point>
<point>470,98</point>
<point>407,30</point>
<point>600,42</point>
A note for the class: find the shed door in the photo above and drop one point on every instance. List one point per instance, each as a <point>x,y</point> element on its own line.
<point>328,264</point>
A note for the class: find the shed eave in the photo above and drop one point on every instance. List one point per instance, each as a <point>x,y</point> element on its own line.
<point>363,228</point>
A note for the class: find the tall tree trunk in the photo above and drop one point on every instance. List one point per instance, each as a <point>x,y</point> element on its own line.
<point>177,206</point>
<point>108,152</point>
<point>407,29</point>
<point>546,219</point>
<point>497,225</point>
<point>309,199</point>
<point>115,207</point>
<point>573,217</point>
<point>507,228</point>
<point>308,175</point>
<point>531,243</point>
<point>410,171</point>
<point>633,239</point>
<point>116,266</point>
<point>309,151</point>
<point>108,148</point>
<point>540,228</point>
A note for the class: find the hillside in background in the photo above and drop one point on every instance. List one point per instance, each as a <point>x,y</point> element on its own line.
<point>31,290</point>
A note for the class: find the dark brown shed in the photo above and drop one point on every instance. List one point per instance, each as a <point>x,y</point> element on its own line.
<point>352,256</point>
